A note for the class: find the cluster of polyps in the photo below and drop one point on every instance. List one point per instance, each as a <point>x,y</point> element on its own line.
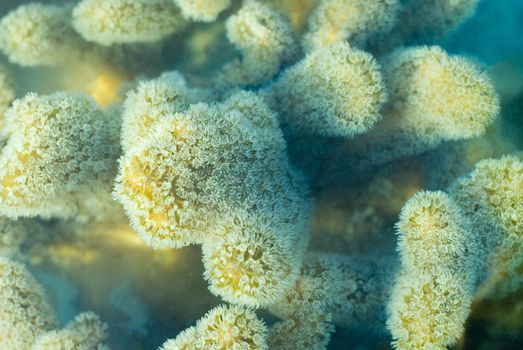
<point>209,164</point>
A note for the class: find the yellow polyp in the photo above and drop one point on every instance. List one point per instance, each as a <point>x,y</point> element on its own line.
<point>235,270</point>
<point>160,220</point>
<point>138,177</point>
<point>9,180</point>
<point>9,184</point>
<point>105,87</point>
<point>148,120</point>
<point>24,158</point>
<point>181,130</point>
<point>234,273</point>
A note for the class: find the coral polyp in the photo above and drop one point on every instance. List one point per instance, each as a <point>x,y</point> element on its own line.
<point>260,175</point>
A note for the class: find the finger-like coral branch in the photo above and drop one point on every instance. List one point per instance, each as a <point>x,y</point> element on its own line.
<point>224,327</point>
<point>456,248</point>
<point>126,21</point>
<point>59,146</point>
<point>433,98</point>
<point>492,199</point>
<point>428,312</point>
<point>255,259</point>
<point>37,34</point>
<point>265,40</point>
<point>434,288</point>
<point>26,313</point>
<point>336,91</point>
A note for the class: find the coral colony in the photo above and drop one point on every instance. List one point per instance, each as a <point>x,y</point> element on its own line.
<point>307,113</point>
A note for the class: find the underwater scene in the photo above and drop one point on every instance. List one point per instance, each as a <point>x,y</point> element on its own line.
<point>261,174</point>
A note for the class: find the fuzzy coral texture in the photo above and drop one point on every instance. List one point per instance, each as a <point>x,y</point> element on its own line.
<point>252,175</point>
